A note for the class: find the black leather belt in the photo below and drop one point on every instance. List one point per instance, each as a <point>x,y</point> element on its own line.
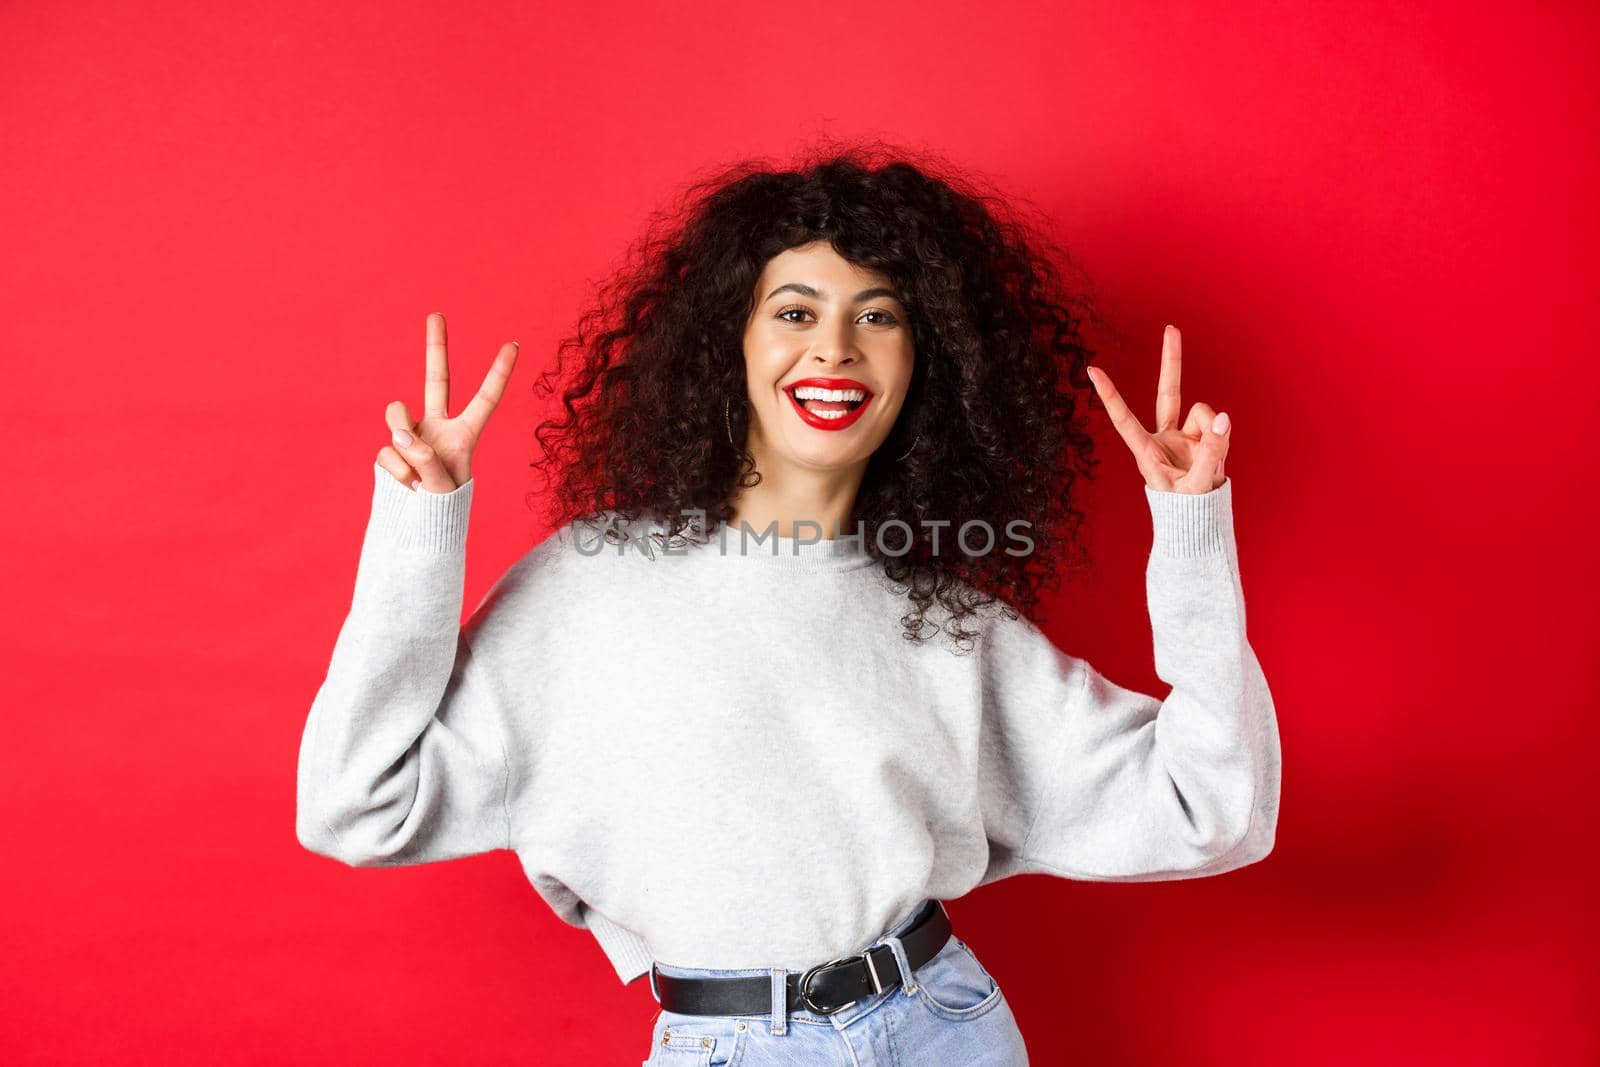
<point>824,989</point>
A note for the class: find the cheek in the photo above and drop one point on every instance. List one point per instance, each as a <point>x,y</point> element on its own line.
<point>902,357</point>
<point>764,362</point>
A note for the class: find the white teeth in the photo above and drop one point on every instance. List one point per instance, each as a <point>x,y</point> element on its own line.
<point>810,392</point>
<point>829,414</point>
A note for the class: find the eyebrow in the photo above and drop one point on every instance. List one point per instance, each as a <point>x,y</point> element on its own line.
<point>817,294</point>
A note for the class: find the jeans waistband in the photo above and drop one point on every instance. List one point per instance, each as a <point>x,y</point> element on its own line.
<point>716,972</point>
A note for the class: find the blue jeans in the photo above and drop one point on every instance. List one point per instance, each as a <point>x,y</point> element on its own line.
<point>949,1011</point>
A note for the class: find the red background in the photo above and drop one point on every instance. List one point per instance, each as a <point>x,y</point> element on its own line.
<point>224,226</point>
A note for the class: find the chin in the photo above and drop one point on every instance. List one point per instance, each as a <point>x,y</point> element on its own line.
<point>825,454</point>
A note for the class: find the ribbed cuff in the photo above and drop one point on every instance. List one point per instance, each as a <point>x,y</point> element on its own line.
<point>431,522</point>
<point>1192,525</point>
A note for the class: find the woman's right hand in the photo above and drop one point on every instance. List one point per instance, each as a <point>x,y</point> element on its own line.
<point>437,452</point>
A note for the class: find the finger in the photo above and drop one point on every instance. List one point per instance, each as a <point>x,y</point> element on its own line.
<point>483,403</point>
<point>398,417</point>
<point>417,452</point>
<point>436,380</point>
<point>1168,405</point>
<point>1126,423</point>
<point>391,461</point>
<point>1199,420</point>
<point>1202,476</point>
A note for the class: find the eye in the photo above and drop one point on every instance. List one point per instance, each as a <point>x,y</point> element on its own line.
<point>886,320</point>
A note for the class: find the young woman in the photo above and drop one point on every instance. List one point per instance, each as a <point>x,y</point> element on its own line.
<point>769,693</point>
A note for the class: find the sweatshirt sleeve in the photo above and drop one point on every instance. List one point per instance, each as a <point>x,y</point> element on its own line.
<point>403,758</point>
<point>1096,782</point>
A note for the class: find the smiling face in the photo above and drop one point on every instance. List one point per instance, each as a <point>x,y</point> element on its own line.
<point>828,357</point>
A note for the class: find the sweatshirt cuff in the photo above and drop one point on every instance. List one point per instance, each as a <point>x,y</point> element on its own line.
<point>419,519</point>
<point>1192,525</point>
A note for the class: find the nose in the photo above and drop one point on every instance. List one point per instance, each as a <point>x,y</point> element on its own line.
<point>833,355</point>
<point>834,348</point>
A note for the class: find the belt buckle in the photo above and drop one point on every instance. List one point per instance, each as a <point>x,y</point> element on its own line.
<point>810,972</point>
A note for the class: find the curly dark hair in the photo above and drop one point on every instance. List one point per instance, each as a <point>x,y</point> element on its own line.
<point>995,389</point>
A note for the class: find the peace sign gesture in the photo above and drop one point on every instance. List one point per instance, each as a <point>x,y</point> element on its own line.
<point>437,452</point>
<point>1173,460</point>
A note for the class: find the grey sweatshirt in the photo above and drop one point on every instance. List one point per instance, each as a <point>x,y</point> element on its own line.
<point>718,752</point>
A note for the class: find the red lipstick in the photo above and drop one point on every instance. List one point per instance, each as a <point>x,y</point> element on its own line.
<point>828,422</point>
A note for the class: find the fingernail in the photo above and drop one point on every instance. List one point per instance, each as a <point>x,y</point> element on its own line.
<point>402,439</point>
<point>1220,424</point>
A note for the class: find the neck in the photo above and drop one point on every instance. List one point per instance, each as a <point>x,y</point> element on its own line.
<point>789,494</point>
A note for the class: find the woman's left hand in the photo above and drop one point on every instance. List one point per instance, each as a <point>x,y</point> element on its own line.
<point>1187,460</point>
